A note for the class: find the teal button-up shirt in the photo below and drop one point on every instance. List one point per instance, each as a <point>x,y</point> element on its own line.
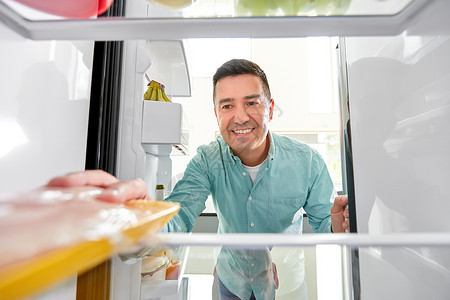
<point>293,176</point>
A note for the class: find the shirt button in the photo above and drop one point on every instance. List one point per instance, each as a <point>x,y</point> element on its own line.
<point>252,265</point>
<point>250,198</point>
<point>251,280</point>
<point>244,173</point>
<point>252,224</point>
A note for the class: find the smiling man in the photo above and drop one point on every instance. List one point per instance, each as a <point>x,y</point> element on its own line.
<point>243,113</point>
<point>259,182</point>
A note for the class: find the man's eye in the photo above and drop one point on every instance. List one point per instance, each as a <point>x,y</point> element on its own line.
<point>227,106</point>
<point>251,103</point>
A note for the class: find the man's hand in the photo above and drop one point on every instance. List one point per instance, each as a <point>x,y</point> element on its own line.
<point>114,190</point>
<point>339,214</point>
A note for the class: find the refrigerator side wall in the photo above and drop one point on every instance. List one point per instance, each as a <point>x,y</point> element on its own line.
<point>45,89</point>
<point>400,119</point>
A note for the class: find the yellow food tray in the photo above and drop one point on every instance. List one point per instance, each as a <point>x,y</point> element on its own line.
<point>27,278</point>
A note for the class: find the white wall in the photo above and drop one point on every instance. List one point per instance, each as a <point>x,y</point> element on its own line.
<point>45,90</point>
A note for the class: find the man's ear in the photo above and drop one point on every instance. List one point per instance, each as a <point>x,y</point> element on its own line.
<point>271,106</point>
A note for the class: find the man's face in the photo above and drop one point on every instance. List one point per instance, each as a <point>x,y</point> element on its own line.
<point>243,113</point>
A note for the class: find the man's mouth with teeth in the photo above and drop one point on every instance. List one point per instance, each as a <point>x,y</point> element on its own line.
<point>242,130</point>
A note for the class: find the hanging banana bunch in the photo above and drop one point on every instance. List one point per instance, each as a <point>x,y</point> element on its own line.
<point>155,92</point>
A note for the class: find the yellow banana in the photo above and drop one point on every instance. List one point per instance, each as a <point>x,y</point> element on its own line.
<point>148,93</point>
<point>165,97</point>
<point>154,94</point>
<point>154,83</point>
<point>159,97</point>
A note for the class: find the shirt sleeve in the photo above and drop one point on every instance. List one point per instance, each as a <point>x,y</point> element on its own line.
<point>320,196</point>
<point>191,192</point>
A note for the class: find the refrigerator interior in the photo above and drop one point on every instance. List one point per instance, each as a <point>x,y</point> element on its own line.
<point>397,68</point>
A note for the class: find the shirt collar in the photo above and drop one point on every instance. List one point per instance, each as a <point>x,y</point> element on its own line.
<point>235,158</point>
<point>271,153</point>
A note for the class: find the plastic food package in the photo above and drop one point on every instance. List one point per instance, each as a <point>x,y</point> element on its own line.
<point>161,266</point>
<point>154,267</point>
<point>55,233</point>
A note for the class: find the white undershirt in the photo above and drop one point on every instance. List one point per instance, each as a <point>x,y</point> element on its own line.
<point>252,171</point>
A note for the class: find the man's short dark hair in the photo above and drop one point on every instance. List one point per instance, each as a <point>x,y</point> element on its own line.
<point>236,67</point>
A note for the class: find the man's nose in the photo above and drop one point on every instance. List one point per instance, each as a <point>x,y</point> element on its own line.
<point>241,115</point>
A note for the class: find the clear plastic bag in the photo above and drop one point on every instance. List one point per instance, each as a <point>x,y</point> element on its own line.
<point>53,233</point>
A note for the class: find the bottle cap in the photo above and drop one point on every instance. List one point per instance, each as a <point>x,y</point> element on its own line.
<point>160,186</point>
